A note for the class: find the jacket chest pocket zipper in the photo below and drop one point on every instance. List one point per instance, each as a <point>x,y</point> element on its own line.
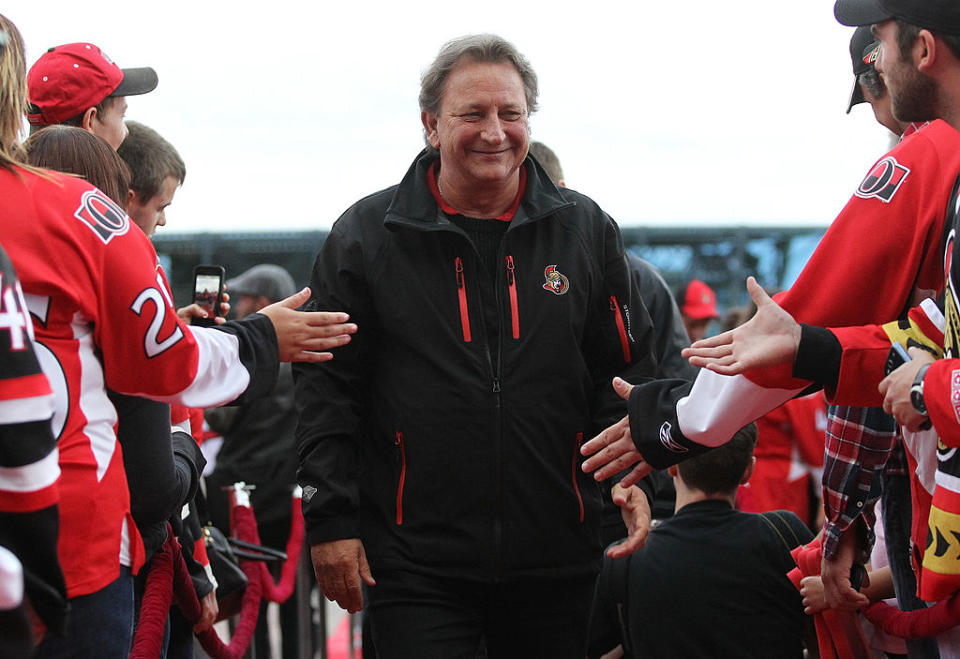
<point>573,472</point>
<point>398,442</point>
<point>621,328</point>
<point>514,307</point>
<point>462,295</point>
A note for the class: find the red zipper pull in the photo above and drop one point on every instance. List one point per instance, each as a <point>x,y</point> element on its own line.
<point>514,306</point>
<point>462,295</point>
<point>621,328</point>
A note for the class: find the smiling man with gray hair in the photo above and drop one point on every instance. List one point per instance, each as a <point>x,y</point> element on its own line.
<point>440,457</point>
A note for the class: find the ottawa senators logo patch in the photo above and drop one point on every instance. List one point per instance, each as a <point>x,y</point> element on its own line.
<point>883,181</point>
<point>556,283</point>
<point>104,217</point>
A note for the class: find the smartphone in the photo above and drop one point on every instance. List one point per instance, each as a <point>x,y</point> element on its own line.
<point>896,358</point>
<point>208,292</point>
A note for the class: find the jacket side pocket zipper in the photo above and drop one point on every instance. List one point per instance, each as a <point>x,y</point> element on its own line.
<point>403,474</point>
<point>462,294</point>
<point>621,328</point>
<point>514,307</point>
<point>573,472</point>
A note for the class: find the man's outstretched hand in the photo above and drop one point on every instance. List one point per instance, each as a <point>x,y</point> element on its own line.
<point>612,451</point>
<point>770,338</point>
<point>307,336</point>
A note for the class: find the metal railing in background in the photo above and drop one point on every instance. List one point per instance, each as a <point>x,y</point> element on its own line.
<point>720,256</point>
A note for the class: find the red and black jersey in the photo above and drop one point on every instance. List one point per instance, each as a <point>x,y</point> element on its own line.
<point>884,244</point>
<point>104,317</point>
<point>28,454</point>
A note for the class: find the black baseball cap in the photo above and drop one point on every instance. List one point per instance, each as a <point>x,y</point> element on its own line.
<point>863,53</point>
<point>941,16</point>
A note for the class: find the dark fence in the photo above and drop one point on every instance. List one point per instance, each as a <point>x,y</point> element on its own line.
<point>720,256</point>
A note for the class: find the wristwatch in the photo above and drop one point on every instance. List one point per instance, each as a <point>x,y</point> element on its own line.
<point>916,391</point>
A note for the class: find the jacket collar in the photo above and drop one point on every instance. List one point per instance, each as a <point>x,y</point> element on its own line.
<point>413,205</point>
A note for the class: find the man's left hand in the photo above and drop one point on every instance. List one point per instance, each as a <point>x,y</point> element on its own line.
<point>614,448</point>
<point>895,389</point>
<point>635,510</point>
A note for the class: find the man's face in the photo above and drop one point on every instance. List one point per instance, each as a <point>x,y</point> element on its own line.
<point>109,124</point>
<point>152,213</point>
<point>913,94</point>
<point>481,130</point>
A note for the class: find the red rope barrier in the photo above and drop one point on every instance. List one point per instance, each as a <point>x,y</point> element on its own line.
<point>155,605</point>
<point>911,625</point>
<point>245,528</point>
<point>839,634</point>
<point>170,580</point>
<point>280,592</point>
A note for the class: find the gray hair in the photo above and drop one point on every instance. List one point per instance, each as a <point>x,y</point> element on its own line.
<point>479,48</point>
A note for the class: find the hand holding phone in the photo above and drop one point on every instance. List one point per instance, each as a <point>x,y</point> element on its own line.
<point>208,292</point>
<point>897,357</point>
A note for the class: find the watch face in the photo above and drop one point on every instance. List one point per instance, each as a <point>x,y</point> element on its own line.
<point>916,398</point>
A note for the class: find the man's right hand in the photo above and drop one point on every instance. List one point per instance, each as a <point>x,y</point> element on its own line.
<point>339,566</point>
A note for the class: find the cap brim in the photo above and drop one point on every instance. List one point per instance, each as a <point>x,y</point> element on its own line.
<point>236,285</point>
<point>701,313</point>
<point>860,12</point>
<point>136,82</point>
<point>856,96</point>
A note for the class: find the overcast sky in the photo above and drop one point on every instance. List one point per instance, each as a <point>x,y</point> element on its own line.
<point>696,112</point>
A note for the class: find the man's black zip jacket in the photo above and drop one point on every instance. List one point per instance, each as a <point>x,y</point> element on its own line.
<point>445,454</point>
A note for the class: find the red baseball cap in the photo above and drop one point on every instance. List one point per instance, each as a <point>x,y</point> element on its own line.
<point>68,80</point>
<point>699,301</point>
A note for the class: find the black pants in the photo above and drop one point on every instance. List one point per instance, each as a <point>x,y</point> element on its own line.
<point>413,615</point>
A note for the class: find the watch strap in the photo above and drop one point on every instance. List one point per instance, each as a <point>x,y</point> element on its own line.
<point>916,391</point>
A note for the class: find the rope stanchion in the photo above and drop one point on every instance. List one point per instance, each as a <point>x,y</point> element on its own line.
<point>281,591</point>
<point>245,528</point>
<point>155,605</point>
<point>912,625</point>
<point>169,580</point>
<point>839,634</point>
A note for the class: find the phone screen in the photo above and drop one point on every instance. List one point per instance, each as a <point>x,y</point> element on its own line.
<point>206,292</point>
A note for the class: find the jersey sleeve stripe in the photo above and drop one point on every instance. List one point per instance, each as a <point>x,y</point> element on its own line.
<point>29,502</point>
<point>720,405</point>
<point>25,386</point>
<point>26,410</point>
<point>31,477</point>
<point>221,377</point>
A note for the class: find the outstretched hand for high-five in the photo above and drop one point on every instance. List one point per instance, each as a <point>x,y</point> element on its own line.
<point>613,451</point>
<point>770,338</point>
<point>303,336</point>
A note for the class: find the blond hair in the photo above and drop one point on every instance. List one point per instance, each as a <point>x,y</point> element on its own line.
<point>13,92</point>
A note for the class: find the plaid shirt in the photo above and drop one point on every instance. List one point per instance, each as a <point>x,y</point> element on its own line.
<point>859,442</point>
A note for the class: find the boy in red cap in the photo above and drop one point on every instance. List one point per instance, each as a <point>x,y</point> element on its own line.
<point>699,308</point>
<point>77,84</point>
